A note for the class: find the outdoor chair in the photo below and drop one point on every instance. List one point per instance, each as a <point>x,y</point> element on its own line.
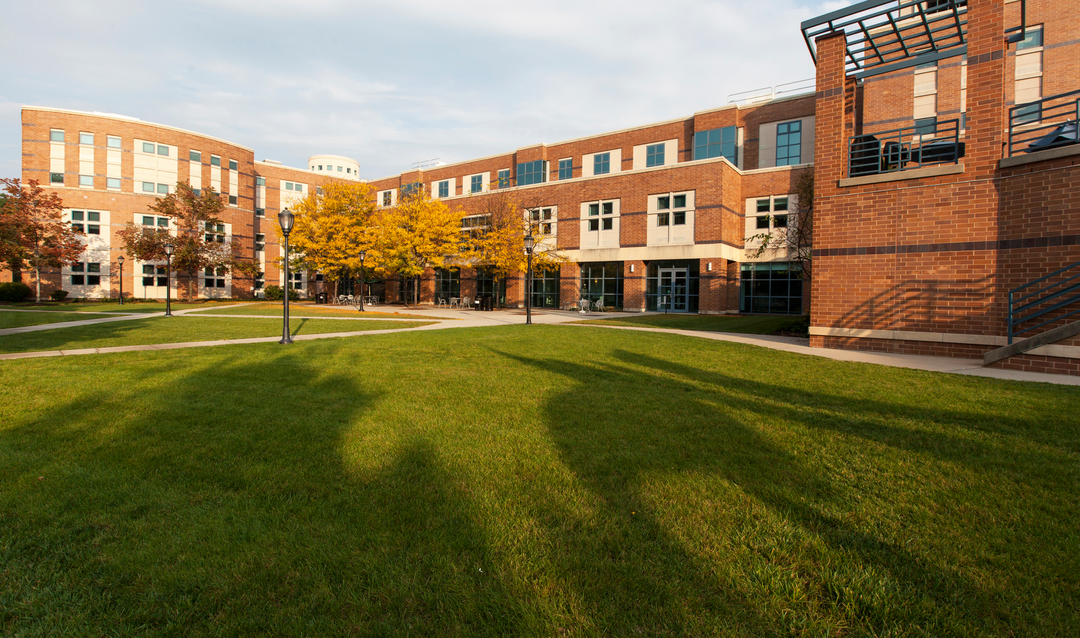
<point>466,302</point>
<point>599,305</point>
<point>455,302</point>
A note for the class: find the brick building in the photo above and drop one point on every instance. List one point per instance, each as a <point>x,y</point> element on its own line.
<point>650,217</point>
<point>931,202</point>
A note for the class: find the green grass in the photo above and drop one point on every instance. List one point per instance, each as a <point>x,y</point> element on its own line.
<point>180,329</point>
<point>95,306</point>
<point>305,310</point>
<point>20,319</point>
<point>531,481</point>
<point>746,324</point>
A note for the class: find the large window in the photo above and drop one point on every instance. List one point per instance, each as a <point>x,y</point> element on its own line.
<point>545,288</point>
<point>601,163</point>
<point>444,188</point>
<point>789,143</point>
<point>476,183</point>
<point>504,178</point>
<point>531,173</point>
<point>214,278</point>
<point>603,280</point>
<point>772,288</point>
<point>154,276</point>
<point>566,169</point>
<point>88,274</point>
<point>447,283</point>
<point>409,189</point>
<point>485,285</point>
<point>718,142</point>
<point>654,155</point>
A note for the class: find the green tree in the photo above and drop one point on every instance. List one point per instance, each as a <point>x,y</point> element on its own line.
<point>195,218</point>
<point>32,233</point>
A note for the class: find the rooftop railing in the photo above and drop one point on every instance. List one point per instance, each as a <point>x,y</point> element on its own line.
<point>1051,122</point>
<point>906,148</point>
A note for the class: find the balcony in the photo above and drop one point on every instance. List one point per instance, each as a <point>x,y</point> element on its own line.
<point>1050,123</point>
<point>905,149</point>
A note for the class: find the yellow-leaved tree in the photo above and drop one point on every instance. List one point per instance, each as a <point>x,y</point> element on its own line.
<point>332,224</point>
<point>418,233</point>
<point>497,241</point>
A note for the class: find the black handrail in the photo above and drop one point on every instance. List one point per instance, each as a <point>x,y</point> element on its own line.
<point>905,149</point>
<point>1048,123</point>
<point>1062,298</point>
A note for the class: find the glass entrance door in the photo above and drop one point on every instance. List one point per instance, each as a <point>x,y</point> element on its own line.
<point>673,290</point>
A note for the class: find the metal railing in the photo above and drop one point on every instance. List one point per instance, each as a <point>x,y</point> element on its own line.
<point>1049,123</point>
<point>1040,302</point>
<point>904,149</point>
<point>768,93</point>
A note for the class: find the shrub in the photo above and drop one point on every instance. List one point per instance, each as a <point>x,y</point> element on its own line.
<point>13,291</point>
<point>58,295</point>
<point>275,293</point>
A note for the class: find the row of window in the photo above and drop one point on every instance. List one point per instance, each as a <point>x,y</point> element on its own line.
<point>150,148</point>
<point>348,170</point>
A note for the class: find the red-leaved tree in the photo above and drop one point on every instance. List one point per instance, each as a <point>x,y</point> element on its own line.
<point>32,231</point>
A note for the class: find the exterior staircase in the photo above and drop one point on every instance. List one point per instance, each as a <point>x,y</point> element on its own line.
<point>1047,300</point>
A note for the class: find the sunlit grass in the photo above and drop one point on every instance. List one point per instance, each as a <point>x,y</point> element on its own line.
<point>746,324</point>
<point>20,319</point>
<point>310,310</point>
<point>531,480</point>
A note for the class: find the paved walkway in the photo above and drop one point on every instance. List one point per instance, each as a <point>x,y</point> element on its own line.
<point>475,319</point>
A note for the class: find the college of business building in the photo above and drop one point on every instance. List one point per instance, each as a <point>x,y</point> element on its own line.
<point>942,136</point>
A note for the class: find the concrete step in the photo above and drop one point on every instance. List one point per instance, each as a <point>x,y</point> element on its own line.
<point>1021,346</point>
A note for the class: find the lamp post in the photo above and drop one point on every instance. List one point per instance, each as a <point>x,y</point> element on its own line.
<point>285,218</point>
<point>528,280</point>
<point>168,278</point>
<point>363,253</point>
<point>120,262</point>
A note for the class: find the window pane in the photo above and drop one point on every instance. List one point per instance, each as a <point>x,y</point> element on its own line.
<point>76,215</point>
<point>780,203</point>
<point>1032,39</point>
<point>215,160</point>
<point>680,201</point>
<point>93,267</point>
<point>147,147</point>
<point>86,180</point>
<point>679,218</point>
<point>609,208</point>
<point>86,138</point>
<point>233,165</point>
<point>56,136</point>
<point>163,189</point>
<point>80,267</point>
<point>195,156</point>
<point>112,182</point>
<point>93,216</point>
<point>662,219</point>
<point>608,223</point>
<point>56,178</point>
<point>594,224</point>
<point>663,203</point>
<point>76,280</point>
<point>163,150</point>
<point>594,209</point>
<point>762,223</point>
<point>148,187</point>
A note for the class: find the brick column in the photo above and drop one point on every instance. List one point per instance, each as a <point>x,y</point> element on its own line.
<point>634,286</point>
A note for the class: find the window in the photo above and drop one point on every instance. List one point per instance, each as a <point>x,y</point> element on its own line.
<point>772,288</point>
<point>1027,114</point>
<point>215,233</point>
<point>601,163</point>
<point>293,186</point>
<point>163,150</point>
<point>678,218</point>
<point>925,126</point>
<point>112,183</point>
<point>163,222</point>
<point>476,183</point>
<point>654,155</point>
<point>197,191</point>
<point>260,181</point>
<point>260,212</point>
<point>260,242</point>
<point>232,200</point>
<point>348,171</point>
<point>789,143</point>
<point>566,169</point>
<point>93,229</point>
<point>545,288</point>
<point>149,271</point>
<point>56,136</point>
<point>147,220</point>
<point>386,198</point>
<point>763,222</point>
<point>718,142</point>
<point>444,188</point>
<point>408,190</point>
<point>605,212</point>
<point>112,141</point>
<point>86,181</point>
<point>297,280</point>
<point>662,219</point>
<point>215,160</point>
<point>195,156</point>
<point>339,169</point>
<point>88,279</point>
<point>1032,38</point>
<point>148,187</point>
<point>56,178</point>
<point>86,138</point>
<point>214,279</point>
<point>233,165</point>
<point>504,178</point>
<point>531,173</point>
<point>772,212</point>
<point>447,283</point>
<point>148,147</point>
<point>163,189</point>
<point>78,280</point>
<point>603,281</point>
<point>93,216</point>
<point>76,218</point>
<point>258,281</point>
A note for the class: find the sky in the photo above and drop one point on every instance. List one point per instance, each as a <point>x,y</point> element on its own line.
<point>393,83</point>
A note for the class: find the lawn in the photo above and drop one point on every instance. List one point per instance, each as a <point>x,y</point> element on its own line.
<point>20,319</point>
<point>306,310</point>
<point>533,481</point>
<point>99,306</point>
<point>746,324</point>
<point>179,329</point>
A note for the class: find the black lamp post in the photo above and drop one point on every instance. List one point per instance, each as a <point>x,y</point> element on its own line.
<point>528,280</point>
<point>168,278</point>
<point>285,218</point>
<point>363,253</point>
<point>120,262</point>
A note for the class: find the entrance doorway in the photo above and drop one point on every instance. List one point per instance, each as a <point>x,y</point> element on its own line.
<point>674,289</point>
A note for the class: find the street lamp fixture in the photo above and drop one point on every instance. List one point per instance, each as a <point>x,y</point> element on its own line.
<point>529,242</point>
<point>363,253</point>
<point>168,278</point>
<point>120,262</point>
<point>286,219</point>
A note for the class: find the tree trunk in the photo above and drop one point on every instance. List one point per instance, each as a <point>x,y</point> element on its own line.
<point>37,280</point>
<point>416,291</point>
<point>190,280</point>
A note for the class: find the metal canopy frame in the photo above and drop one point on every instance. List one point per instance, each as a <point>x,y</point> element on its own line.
<point>886,36</point>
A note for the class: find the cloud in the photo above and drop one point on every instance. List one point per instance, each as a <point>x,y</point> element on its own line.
<point>390,83</point>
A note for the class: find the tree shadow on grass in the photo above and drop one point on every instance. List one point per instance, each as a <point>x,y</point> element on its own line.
<point>211,497</point>
<point>849,575</point>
